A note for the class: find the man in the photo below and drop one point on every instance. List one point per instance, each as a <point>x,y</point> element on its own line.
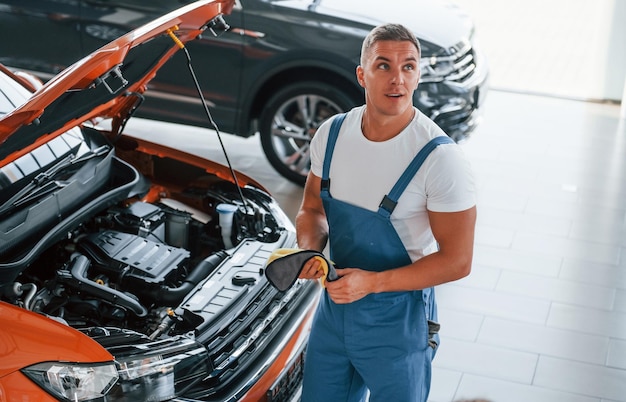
<point>375,328</point>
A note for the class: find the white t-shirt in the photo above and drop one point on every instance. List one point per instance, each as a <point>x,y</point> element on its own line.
<point>362,172</point>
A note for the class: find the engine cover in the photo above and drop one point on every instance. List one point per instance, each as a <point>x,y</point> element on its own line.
<point>134,256</point>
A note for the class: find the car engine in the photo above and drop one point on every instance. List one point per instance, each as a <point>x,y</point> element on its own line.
<point>131,264</point>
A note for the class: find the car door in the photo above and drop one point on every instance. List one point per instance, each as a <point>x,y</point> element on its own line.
<point>41,36</point>
<point>172,95</point>
<point>46,36</point>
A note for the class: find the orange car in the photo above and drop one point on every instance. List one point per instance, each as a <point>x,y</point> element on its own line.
<point>130,271</point>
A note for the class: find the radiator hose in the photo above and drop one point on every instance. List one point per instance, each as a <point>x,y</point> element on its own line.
<point>80,264</point>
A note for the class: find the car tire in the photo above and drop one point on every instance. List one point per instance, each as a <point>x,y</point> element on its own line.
<point>291,118</point>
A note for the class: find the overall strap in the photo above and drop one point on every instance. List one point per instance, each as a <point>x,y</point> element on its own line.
<point>389,202</point>
<point>330,147</point>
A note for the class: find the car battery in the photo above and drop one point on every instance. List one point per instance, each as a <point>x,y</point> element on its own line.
<point>142,219</point>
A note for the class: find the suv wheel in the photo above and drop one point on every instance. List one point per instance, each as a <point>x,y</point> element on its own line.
<point>291,118</point>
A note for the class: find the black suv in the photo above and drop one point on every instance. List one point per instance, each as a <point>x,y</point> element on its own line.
<point>286,65</point>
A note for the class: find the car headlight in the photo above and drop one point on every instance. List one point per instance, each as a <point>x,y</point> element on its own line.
<point>73,381</point>
<point>158,371</point>
<point>150,378</point>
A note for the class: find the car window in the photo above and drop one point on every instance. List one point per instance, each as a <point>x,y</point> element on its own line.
<point>12,94</point>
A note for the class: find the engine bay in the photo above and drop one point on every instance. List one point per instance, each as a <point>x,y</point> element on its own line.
<point>131,258</point>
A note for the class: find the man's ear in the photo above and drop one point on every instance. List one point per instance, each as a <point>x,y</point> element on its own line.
<point>359,76</point>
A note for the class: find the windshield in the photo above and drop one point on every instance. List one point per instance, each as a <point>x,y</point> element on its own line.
<point>23,169</point>
<point>12,94</point>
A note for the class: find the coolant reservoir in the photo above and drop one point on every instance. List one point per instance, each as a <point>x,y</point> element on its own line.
<point>226,213</point>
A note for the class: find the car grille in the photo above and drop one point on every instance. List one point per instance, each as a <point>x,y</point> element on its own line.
<point>463,60</point>
<point>457,65</point>
<point>237,348</point>
<point>451,89</point>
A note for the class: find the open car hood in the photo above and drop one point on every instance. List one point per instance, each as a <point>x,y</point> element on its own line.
<point>108,83</point>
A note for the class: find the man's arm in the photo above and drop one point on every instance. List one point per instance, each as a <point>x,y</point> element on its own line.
<point>311,225</point>
<point>454,231</point>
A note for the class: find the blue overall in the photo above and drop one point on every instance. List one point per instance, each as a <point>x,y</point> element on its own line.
<point>379,343</point>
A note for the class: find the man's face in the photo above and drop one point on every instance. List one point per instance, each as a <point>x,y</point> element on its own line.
<point>389,74</point>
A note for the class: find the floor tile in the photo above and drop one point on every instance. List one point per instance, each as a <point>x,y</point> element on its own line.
<point>486,360</point>
<point>544,340</point>
<point>576,249</point>
<point>617,354</point>
<point>590,321</point>
<point>473,386</point>
<point>459,325</point>
<point>581,378</point>
<point>444,384</point>
<point>594,273</point>
<point>494,237</point>
<point>491,303</point>
<point>606,230</point>
<point>516,260</point>
<point>557,289</point>
<point>482,277</point>
<point>620,301</point>
<point>499,218</point>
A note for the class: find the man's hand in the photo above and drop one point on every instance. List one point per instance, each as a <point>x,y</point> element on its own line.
<point>312,269</point>
<point>353,284</point>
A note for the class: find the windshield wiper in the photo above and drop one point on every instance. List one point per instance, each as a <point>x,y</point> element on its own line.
<point>44,182</point>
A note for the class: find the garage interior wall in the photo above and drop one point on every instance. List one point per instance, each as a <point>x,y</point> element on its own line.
<point>616,60</point>
<point>574,49</point>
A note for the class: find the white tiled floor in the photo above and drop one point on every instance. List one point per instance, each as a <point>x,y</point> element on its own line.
<point>544,304</point>
<point>542,317</point>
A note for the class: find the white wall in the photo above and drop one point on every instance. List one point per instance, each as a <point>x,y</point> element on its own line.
<point>567,48</point>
